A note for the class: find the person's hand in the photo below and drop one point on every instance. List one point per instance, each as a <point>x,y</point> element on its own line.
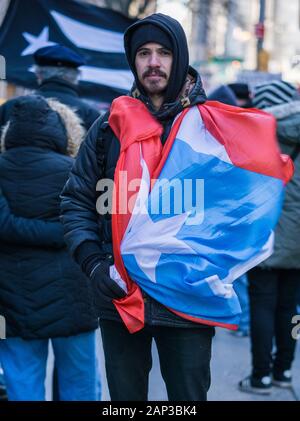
<point>104,284</point>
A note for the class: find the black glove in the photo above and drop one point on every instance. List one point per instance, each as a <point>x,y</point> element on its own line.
<point>103,284</point>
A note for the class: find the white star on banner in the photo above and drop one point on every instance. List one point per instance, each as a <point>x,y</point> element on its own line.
<point>36,42</point>
<point>148,240</point>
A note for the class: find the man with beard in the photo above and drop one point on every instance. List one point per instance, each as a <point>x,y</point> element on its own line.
<point>167,274</point>
<point>157,52</point>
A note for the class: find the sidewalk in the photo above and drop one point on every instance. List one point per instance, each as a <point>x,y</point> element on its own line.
<point>230,363</point>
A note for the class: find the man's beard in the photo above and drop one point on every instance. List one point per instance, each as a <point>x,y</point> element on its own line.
<point>153,85</point>
<point>153,88</point>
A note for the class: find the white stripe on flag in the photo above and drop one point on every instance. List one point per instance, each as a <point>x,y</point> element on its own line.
<point>89,37</point>
<point>120,79</point>
<point>193,132</point>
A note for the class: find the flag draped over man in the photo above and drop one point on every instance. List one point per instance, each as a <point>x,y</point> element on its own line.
<point>185,251</point>
<point>193,192</point>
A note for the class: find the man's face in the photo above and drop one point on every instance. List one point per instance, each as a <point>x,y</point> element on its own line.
<point>153,64</point>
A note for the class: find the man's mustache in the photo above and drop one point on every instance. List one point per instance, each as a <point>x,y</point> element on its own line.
<point>154,72</point>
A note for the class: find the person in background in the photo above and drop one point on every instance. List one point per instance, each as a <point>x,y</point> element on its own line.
<point>223,94</point>
<point>43,294</point>
<point>242,93</point>
<point>32,232</point>
<point>57,69</point>
<point>274,284</point>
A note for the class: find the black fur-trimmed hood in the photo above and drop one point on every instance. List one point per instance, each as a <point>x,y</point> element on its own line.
<point>45,123</point>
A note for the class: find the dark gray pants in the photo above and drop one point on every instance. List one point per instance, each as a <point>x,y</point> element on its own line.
<point>273,300</point>
<point>184,355</point>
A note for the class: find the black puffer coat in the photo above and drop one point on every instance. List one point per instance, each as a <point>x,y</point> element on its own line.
<point>68,94</point>
<point>31,232</point>
<point>43,293</point>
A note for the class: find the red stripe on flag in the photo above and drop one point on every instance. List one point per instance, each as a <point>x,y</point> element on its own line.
<point>249,137</point>
<point>204,321</point>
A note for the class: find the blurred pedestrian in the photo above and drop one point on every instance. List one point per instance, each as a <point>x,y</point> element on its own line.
<point>274,285</point>
<point>44,295</point>
<point>242,93</point>
<point>27,231</point>
<point>57,69</point>
<point>223,94</point>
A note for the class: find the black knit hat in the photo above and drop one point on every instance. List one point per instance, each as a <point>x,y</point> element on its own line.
<point>241,90</point>
<point>149,33</point>
<point>273,93</point>
<point>170,31</point>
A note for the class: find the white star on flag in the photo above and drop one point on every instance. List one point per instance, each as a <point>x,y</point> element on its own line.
<point>36,42</point>
<point>148,240</point>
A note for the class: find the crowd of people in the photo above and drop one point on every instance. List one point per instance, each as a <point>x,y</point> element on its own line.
<point>57,254</point>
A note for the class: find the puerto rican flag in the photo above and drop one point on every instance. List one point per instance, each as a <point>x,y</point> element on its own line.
<point>220,224</point>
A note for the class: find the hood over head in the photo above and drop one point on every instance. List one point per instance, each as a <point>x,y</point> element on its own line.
<point>168,32</point>
<point>240,90</point>
<point>224,95</point>
<point>45,123</point>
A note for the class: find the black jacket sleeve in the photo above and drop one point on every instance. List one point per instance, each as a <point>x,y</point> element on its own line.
<point>78,204</point>
<point>90,117</point>
<point>29,232</point>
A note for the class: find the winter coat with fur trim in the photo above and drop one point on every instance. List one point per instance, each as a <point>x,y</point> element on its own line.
<point>43,293</point>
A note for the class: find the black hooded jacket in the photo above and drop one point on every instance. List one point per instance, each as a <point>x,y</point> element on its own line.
<point>43,293</point>
<point>88,234</point>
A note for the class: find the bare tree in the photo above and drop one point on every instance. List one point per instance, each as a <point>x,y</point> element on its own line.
<point>201,18</point>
